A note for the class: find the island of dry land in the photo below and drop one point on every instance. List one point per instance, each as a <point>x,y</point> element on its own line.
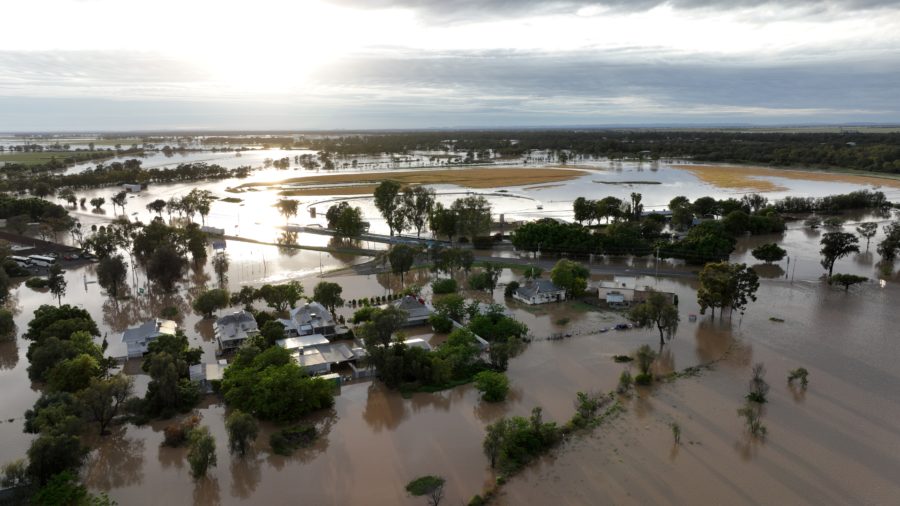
<point>365,182</point>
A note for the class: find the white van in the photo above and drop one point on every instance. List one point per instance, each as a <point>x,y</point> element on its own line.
<point>41,261</point>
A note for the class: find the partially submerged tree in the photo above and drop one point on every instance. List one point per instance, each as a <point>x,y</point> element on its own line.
<point>570,276</point>
<point>867,230</point>
<point>329,295</point>
<point>837,245</point>
<point>431,487</point>
<point>201,452</point>
<point>846,280</point>
<point>659,311</point>
<point>769,253</point>
<point>402,258</point>
<point>242,431</point>
<point>388,202</point>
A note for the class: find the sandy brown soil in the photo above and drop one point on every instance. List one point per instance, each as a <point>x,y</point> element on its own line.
<point>754,178</point>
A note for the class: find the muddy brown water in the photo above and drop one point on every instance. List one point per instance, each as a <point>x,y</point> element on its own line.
<point>836,443</point>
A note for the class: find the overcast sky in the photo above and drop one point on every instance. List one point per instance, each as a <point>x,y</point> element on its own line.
<point>353,64</point>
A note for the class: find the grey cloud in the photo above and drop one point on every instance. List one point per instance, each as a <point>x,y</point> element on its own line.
<point>487,89</point>
<point>437,11</point>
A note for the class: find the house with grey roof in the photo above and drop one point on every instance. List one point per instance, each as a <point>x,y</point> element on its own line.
<point>233,329</point>
<point>416,309</point>
<point>539,291</point>
<point>310,318</point>
<point>137,339</point>
<point>316,354</point>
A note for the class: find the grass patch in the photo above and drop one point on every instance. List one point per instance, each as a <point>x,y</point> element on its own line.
<point>750,178</point>
<point>480,177</point>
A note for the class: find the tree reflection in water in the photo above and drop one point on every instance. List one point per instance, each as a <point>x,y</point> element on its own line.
<point>245,475</point>
<point>324,423</point>
<point>117,462</point>
<point>287,243</point>
<point>206,491</point>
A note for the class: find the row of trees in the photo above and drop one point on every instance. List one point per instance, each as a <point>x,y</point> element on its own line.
<point>415,208</point>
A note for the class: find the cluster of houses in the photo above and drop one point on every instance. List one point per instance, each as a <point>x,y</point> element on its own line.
<point>312,336</point>
<point>316,341</point>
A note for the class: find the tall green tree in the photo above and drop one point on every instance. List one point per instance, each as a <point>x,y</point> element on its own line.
<point>201,451</point>
<point>56,282</point>
<point>570,276</point>
<point>401,257</point>
<point>473,216</point>
<point>418,205</point>
<point>388,202</point>
<point>444,222</point>
<point>242,431</point>
<point>329,295</point>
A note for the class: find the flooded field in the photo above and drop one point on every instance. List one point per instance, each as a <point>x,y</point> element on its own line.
<point>834,444</point>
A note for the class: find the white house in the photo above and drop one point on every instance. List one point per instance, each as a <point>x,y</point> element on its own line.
<point>624,291</point>
<point>233,329</point>
<point>539,291</point>
<point>132,187</point>
<point>137,339</point>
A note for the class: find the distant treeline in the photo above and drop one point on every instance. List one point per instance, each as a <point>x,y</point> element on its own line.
<point>129,171</point>
<point>65,159</point>
<point>879,152</point>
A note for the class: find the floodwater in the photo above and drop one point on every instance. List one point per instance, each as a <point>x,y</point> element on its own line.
<point>835,443</point>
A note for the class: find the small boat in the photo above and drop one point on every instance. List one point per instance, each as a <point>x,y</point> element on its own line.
<point>539,206</point>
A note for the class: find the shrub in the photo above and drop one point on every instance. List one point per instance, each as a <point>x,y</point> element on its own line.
<point>431,486</point>
<point>176,434</point>
<point>36,283</point>
<point>625,381</point>
<point>758,386</point>
<point>799,374</point>
<point>285,441</point>
<point>169,312</point>
<point>511,288</point>
<point>363,314</point>
<point>440,323</point>
<point>676,432</point>
<point>493,385</point>
<point>444,286</point>
<point>750,414</point>
<point>620,359</point>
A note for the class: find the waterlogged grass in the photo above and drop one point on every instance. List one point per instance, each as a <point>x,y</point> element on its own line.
<point>480,177</point>
<point>755,178</point>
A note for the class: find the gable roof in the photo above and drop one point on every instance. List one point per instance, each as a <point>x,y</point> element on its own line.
<point>149,329</point>
<point>535,287</point>
<point>414,308</point>
<point>238,325</point>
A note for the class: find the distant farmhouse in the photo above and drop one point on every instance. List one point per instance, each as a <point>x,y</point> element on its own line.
<point>137,339</point>
<point>623,291</point>
<point>233,329</point>
<point>539,291</point>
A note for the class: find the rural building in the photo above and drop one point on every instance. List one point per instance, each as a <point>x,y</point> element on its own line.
<point>233,329</point>
<point>132,187</point>
<point>137,339</point>
<point>311,318</point>
<point>623,291</point>
<point>539,291</point>
<point>316,354</point>
<point>205,374</point>
<point>417,311</point>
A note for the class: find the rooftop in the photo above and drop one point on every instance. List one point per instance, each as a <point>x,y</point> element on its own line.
<point>240,325</point>
<point>534,287</point>
<point>148,329</point>
<point>293,343</point>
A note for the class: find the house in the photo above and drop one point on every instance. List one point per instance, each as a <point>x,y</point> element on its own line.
<point>539,291</point>
<point>417,311</point>
<point>205,374</point>
<point>132,187</point>
<point>137,339</point>
<point>316,354</point>
<point>310,318</point>
<point>623,291</point>
<point>233,329</point>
